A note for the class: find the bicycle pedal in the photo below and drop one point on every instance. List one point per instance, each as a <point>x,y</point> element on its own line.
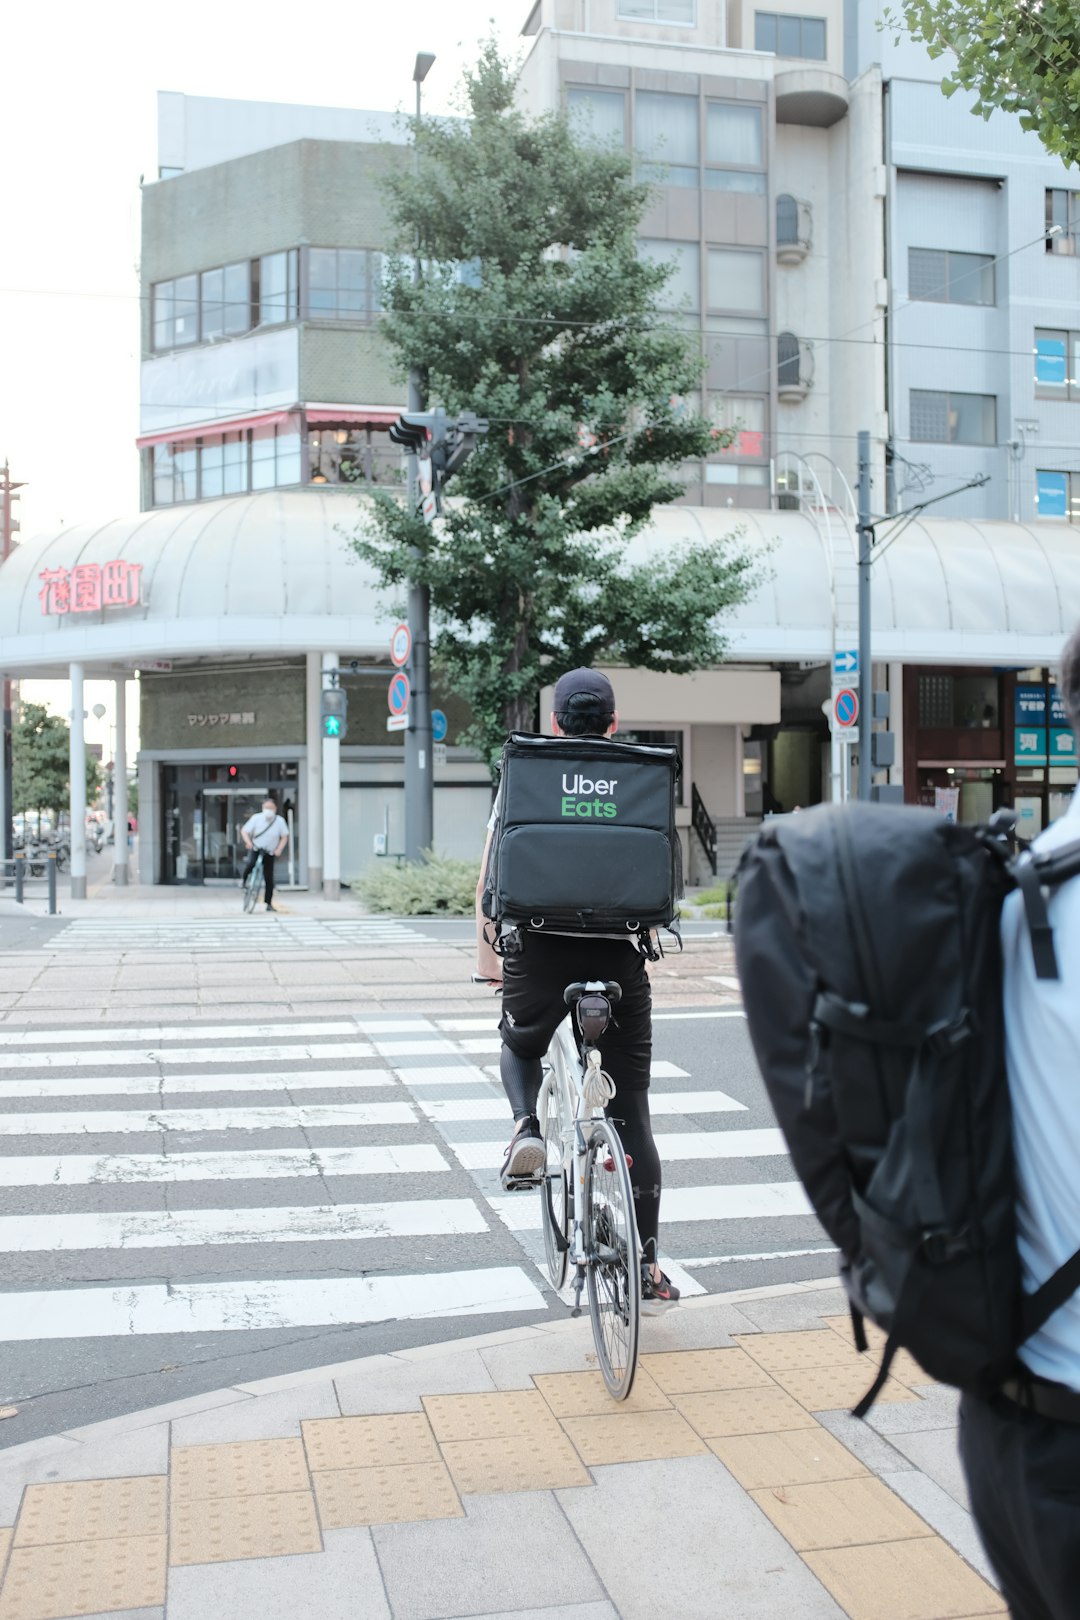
<point>522,1183</point>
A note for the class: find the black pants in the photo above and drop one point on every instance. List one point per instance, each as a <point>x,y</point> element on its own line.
<point>1023,1473</point>
<point>268,871</point>
<point>533,1009</point>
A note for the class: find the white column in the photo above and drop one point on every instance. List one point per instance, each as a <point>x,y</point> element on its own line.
<point>331,785</point>
<point>896,719</point>
<point>120,786</point>
<point>313,782</point>
<point>77,776</point>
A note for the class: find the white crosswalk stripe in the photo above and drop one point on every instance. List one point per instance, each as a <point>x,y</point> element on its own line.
<point>133,1169</point>
<point>241,934</point>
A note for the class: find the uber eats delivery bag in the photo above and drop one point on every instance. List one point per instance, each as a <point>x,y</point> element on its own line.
<point>585,840</point>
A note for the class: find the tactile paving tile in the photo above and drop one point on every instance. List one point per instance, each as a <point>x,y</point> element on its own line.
<point>797,1457</point>
<point>839,1513</point>
<point>518,1414</point>
<point>84,1577</point>
<point>584,1394</point>
<point>904,1366</point>
<point>635,1437</point>
<point>240,1468</point>
<point>903,1580</point>
<point>824,1389</point>
<point>743,1411</point>
<point>816,1347</point>
<point>357,1496</point>
<point>512,1463</point>
<point>688,1372</point>
<point>91,1510</point>
<point>214,1532</point>
<point>392,1439</point>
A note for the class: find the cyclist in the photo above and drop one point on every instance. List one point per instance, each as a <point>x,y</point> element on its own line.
<point>268,833</point>
<point>535,974</point>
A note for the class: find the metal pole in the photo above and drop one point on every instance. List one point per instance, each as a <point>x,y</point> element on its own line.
<point>866,673</point>
<point>419,804</point>
<point>7,809</point>
<point>331,787</point>
<point>77,785</point>
<point>50,871</point>
<point>120,786</point>
<point>20,874</point>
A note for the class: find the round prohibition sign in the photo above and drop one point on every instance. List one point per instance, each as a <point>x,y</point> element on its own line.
<point>846,707</point>
<point>398,695</point>
<point>400,645</point>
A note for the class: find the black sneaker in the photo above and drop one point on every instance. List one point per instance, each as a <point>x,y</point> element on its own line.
<point>525,1156</point>
<point>656,1297</point>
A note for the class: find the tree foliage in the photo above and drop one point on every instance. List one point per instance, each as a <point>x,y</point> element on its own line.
<point>1019,56</point>
<point>536,310</point>
<point>40,749</point>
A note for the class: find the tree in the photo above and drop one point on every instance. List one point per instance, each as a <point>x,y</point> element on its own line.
<point>537,310</point>
<point>1019,56</point>
<point>40,745</point>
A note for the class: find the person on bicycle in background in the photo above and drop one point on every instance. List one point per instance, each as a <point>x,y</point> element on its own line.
<point>269,833</point>
<point>533,980</point>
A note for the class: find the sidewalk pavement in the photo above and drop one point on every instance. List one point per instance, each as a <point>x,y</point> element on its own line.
<point>495,1477</point>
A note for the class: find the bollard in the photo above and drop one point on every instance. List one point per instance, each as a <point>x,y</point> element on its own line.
<point>50,869</point>
<point>20,873</point>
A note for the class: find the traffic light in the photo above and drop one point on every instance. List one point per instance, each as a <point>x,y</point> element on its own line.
<point>445,441</point>
<point>335,712</point>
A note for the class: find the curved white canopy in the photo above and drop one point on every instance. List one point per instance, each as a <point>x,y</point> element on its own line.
<point>271,574</point>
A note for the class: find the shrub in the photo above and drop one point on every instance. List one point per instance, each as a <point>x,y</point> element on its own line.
<point>436,886</point>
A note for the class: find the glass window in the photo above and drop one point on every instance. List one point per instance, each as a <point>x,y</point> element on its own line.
<point>790,36</point>
<point>661,11</point>
<point>185,311</point>
<point>1051,362</point>
<point>787,360</point>
<point>747,415</point>
<point>337,283</point>
<point>278,287</point>
<point>211,469</point>
<point>1063,211</point>
<point>939,417</point>
<point>733,134</point>
<point>928,275</point>
<point>666,133</point>
<point>721,472</point>
<point>263,457</point>
<point>946,277</point>
<point>736,280</point>
<point>599,115</point>
<point>212,302</point>
<point>787,221</point>
<point>162,314</point>
<point>1052,494</point>
<point>684,284</point>
<point>234,459</point>
<point>765,31</point>
<point>288,458</point>
<point>237,297</point>
<point>742,180</point>
<point>813,39</point>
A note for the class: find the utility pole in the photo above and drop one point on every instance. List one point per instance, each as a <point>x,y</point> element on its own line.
<point>419,793</point>
<point>866,672</point>
<point>9,528</point>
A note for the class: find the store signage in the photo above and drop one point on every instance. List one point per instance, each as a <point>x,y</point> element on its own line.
<point>89,587</point>
<point>1062,750</point>
<point>1030,706</point>
<point>246,719</point>
<point>1030,745</point>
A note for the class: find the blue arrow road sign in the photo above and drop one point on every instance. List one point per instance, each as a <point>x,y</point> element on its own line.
<point>438,725</point>
<point>846,662</point>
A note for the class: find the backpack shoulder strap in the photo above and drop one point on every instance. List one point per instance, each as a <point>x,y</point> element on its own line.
<point>1040,1306</point>
<point>1033,874</point>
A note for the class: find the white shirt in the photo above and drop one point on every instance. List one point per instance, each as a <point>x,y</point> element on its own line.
<point>1042,1048</point>
<point>266,832</point>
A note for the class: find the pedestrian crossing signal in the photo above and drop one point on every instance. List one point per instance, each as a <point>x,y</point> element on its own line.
<point>334,713</point>
<point>331,725</point>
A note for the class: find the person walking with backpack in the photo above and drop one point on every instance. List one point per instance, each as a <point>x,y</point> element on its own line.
<point>534,972</point>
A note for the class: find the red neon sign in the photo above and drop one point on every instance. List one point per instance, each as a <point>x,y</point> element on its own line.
<point>88,587</point>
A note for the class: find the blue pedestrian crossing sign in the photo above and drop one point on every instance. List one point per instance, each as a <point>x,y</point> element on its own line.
<point>845,661</point>
<point>438,725</point>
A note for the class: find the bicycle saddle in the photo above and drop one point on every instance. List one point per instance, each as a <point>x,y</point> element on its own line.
<point>591,1001</point>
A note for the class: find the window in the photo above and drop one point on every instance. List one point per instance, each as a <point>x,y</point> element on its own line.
<point>658,11</point>
<point>666,136</point>
<point>943,277</point>
<point>747,414</point>
<point>225,301</point>
<point>787,221</point>
<point>600,115</point>
<point>1063,210</point>
<point>343,284</point>
<point>1057,364</point>
<point>684,284</point>
<point>275,457</point>
<point>734,147</point>
<point>225,464</point>
<point>787,360</point>
<point>953,702</point>
<point>790,36</point>
<point>1057,495</point>
<point>176,312</point>
<point>736,280</point>
<point>947,418</point>
<point>278,285</point>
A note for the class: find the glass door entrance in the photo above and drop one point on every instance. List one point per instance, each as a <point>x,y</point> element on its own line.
<point>203,816</point>
<point>225,811</point>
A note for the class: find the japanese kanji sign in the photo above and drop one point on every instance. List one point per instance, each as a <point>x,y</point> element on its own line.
<point>88,587</point>
<point>247,718</point>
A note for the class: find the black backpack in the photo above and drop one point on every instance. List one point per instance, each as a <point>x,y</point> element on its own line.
<point>585,840</point>
<point>867,940</point>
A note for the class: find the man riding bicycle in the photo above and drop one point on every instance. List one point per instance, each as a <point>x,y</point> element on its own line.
<point>267,834</point>
<point>534,978</point>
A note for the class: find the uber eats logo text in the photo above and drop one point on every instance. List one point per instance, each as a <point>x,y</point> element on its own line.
<point>576,800</point>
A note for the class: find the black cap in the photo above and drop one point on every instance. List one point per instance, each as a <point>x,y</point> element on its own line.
<point>588,683</point>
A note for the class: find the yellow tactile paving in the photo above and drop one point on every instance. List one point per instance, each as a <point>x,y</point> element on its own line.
<point>797,1457</point>
<point>822,1389</point>
<point>584,1394</point>
<point>743,1411</point>
<point>839,1513</point>
<point>84,1577</point>
<point>484,1467</point>
<point>634,1437</point>
<point>389,1440</point>
<point>91,1510</point>
<point>903,1580</point>
<point>875,1337</point>
<point>904,1366</point>
<point>518,1414</point>
<point>219,1530</point>
<point>688,1372</point>
<point>816,1347</point>
<point>358,1496</point>
<point>242,1468</point>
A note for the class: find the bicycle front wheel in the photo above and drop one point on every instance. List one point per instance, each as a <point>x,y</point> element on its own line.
<point>613,1259</point>
<point>253,887</point>
<point>555,1191</point>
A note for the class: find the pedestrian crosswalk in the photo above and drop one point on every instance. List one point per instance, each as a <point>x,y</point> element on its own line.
<point>240,934</point>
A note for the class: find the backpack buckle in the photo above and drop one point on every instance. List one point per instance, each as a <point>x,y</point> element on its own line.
<point>950,1033</point>
<point>940,1247</point>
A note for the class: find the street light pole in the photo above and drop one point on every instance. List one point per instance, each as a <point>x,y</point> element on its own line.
<point>8,529</point>
<point>419,794</point>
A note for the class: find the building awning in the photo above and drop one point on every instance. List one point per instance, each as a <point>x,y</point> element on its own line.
<point>199,430</point>
<point>348,416</point>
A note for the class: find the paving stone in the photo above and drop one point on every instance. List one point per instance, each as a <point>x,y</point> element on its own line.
<point>509,1552</point>
<point>509,1463</point>
<point>239,1468</point>
<point>839,1513</point>
<point>797,1457</point>
<point>743,1411</point>
<point>689,1372</point>
<point>863,1442</point>
<point>505,1415</point>
<point>91,1510</point>
<point>935,1408</point>
<point>229,1527</point>
<point>584,1394</point>
<point>822,1389</point>
<point>619,1437</point>
<point>694,1329</point>
<point>84,1578</point>
<point>513,1366</point>
<point>145,1451</point>
<point>343,1583</point>
<point>383,1441</point>
<point>945,1515</point>
<point>731,1563</point>
<point>795,1312</point>
<point>781,1352</point>
<point>398,1386</point>
<point>361,1496</point>
<point>936,1453</point>
<point>266,1417</point>
<point>921,1579</point>
<point>563,1611</point>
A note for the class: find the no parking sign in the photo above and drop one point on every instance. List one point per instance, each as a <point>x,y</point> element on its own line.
<point>845,708</point>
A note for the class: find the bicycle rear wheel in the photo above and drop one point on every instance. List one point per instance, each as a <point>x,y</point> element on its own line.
<point>555,1194</point>
<point>613,1259</point>
<point>253,887</point>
